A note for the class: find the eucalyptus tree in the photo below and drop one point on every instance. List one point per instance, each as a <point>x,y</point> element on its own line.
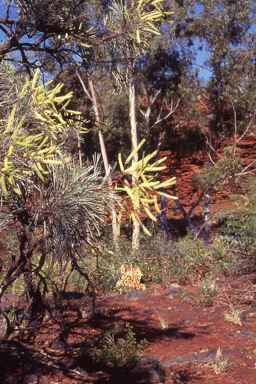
<point>224,28</point>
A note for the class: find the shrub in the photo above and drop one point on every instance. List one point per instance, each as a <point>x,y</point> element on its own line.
<point>118,353</point>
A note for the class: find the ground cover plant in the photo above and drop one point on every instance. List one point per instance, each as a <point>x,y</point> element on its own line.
<point>117,353</point>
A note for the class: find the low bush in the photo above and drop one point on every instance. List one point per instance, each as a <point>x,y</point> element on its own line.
<point>117,353</point>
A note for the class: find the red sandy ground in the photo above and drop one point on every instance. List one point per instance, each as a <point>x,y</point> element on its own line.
<point>187,330</point>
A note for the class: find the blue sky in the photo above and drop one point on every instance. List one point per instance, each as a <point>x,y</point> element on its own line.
<point>201,55</point>
<point>3,4</point>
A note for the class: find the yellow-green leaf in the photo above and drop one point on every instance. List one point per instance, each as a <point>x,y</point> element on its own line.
<point>135,151</point>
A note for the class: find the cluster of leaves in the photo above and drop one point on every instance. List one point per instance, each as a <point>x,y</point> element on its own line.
<point>216,174</point>
<point>138,22</point>
<point>146,189</point>
<point>241,222</point>
<point>206,293</point>
<point>35,162</point>
<point>31,129</point>
<point>118,353</point>
<point>130,279</point>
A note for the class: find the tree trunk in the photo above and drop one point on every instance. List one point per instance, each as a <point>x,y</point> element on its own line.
<point>163,217</point>
<point>207,220</point>
<point>93,99</point>
<point>134,140</point>
<point>105,161</point>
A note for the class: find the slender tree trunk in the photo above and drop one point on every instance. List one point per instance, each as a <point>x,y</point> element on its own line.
<point>80,153</point>
<point>163,216</point>
<point>207,220</point>
<point>105,161</point>
<point>93,99</point>
<point>134,140</point>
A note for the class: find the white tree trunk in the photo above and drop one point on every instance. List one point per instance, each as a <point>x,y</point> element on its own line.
<point>105,161</point>
<point>134,140</point>
<point>93,99</point>
<point>207,216</point>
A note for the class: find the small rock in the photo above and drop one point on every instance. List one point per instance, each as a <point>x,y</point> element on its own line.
<point>192,357</point>
<point>245,324</point>
<point>241,334</point>
<point>172,291</point>
<point>153,376</point>
<point>186,359</point>
<point>72,295</point>
<point>206,356</point>
<point>162,309</point>
<point>169,362</point>
<point>136,294</point>
<point>244,314</point>
<point>31,379</point>
<point>44,380</point>
<point>7,306</point>
<point>175,360</point>
<point>10,297</point>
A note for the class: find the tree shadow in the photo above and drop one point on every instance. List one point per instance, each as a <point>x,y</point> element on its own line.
<point>21,358</point>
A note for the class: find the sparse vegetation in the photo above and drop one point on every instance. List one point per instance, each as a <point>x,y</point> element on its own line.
<point>207,292</point>
<point>118,350</point>
<point>130,279</point>
<point>163,323</point>
<point>233,316</point>
<point>219,362</point>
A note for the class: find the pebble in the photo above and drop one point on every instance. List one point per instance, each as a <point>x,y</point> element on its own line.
<point>153,376</point>
<point>10,297</point>
<point>172,291</point>
<point>6,306</point>
<point>189,358</point>
<point>241,334</point>
<point>194,357</point>
<point>136,294</point>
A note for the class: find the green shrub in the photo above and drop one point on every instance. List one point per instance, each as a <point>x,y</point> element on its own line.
<point>118,353</point>
<point>207,293</point>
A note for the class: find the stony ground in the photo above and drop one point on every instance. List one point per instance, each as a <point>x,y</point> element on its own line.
<point>186,343</point>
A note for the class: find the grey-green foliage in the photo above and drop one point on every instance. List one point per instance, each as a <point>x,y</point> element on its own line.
<point>217,174</point>
<point>241,221</point>
<point>40,186</point>
<point>224,30</point>
<point>126,47</point>
<point>117,353</point>
<point>76,201</point>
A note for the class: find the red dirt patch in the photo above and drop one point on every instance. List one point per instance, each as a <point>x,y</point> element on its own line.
<point>182,341</point>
